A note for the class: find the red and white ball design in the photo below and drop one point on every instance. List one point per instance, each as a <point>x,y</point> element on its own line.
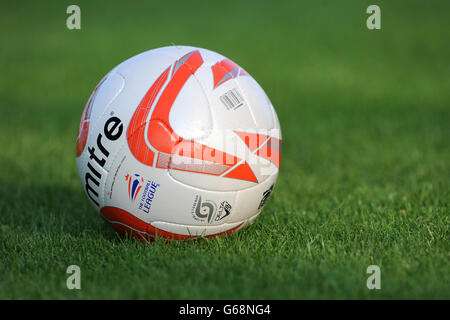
<point>178,142</point>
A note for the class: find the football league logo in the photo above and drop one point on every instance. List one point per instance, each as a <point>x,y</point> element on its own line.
<point>134,185</point>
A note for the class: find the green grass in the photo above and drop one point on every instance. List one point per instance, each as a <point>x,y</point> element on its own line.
<point>366,153</point>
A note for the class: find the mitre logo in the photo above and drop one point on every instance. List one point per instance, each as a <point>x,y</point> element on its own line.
<point>112,131</point>
<point>265,196</point>
<point>224,210</point>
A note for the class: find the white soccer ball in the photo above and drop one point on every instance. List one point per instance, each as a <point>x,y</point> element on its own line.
<point>178,142</point>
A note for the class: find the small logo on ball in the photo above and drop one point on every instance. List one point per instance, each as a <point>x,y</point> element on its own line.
<point>134,185</point>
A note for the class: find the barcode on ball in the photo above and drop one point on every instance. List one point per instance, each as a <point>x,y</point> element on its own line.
<point>232,99</point>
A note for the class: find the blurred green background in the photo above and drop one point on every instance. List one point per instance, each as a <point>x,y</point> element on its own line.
<point>366,158</point>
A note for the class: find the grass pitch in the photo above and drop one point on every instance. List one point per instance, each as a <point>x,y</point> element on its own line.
<point>366,153</point>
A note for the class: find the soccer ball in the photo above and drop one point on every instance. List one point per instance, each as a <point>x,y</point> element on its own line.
<point>178,142</point>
